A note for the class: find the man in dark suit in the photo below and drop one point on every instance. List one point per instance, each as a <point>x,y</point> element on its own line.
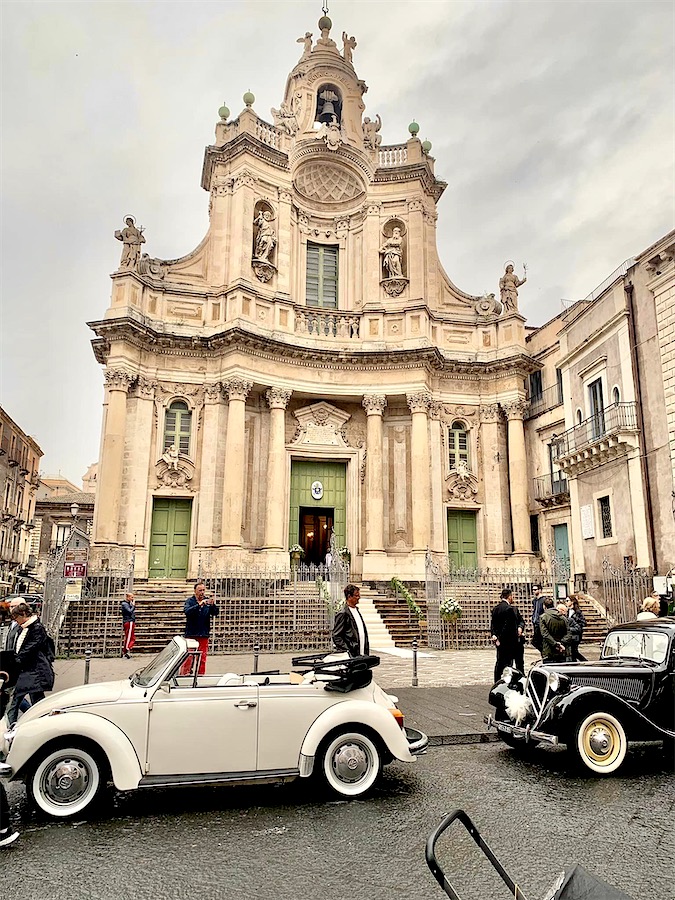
<point>504,631</point>
<point>350,634</point>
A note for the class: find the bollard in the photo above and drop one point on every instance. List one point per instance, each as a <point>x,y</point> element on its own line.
<point>414,675</point>
<point>256,653</point>
<point>87,664</point>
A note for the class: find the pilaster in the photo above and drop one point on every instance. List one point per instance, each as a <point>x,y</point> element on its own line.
<point>277,400</point>
<point>213,414</point>
<point>418,404</point>
<point>237,390</point>
<point>117,384</point>
<point>518,488</point>
<point>374,405</point>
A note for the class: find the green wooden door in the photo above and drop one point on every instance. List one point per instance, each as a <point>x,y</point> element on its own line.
<point>170,538</point>
<point>462,544</point>
<point>333,479</point>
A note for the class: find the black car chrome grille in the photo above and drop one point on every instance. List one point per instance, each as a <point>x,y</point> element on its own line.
<point>629,688</point>
<point>537,689</point>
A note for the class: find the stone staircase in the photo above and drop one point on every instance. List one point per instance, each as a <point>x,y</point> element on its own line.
<point>379,635</point>
<point>596,624</point>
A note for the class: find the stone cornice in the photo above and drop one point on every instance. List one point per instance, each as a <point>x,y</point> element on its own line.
<point>242,144</point>
<point>143,337</point>
<point>411,172</point>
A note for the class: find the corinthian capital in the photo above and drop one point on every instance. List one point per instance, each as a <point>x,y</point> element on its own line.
<point>213,392</point>
<point>515,409</point>
<point>145,387</point>
<point>118,379</point>
<point>374,404</point>
<point>491,412</point>
<point>419,402</point>
<point>237,388</point>
<point>277,398</point>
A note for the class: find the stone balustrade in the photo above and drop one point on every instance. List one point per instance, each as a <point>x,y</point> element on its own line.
<point>394,155</point>
<point>317,323</point>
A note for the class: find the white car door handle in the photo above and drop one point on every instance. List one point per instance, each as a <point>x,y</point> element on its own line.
<point>245,704</point>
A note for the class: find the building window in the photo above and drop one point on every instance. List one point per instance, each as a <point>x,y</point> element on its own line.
<point>322,276</point>
<point>536,389</point>
<point>62,534</point>
<point>534,534</point>
<point>177,427</point>
<point>559,385</point>
<point>458,442</point>
<point>605,516</point>
<point>616,396</point>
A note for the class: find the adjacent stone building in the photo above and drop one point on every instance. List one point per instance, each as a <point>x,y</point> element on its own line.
<point>310,367</point>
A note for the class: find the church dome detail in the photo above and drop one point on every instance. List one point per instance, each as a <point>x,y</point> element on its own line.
<point>327,182</point>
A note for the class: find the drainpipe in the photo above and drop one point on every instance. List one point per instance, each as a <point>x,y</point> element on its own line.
<point>635,363</point>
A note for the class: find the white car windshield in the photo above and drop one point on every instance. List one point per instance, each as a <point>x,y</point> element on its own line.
<point>158,666</point>
<point>636,645</point>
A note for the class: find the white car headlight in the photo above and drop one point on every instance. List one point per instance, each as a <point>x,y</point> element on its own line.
<point>507,675</point>
<point>554,681</point>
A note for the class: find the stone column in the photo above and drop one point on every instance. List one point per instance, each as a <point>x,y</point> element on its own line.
<point>117,383</point>
<point>416,259</point>
<point>420,464</point>
<point>213,408</point>
<point>520,511</point>
<point>495,482</point>
<point>275,515</point>
<point>437,542</point>
<point>371,246</point>
<point>374,405</point>
<point>237,390</point>
<point>284,255</point>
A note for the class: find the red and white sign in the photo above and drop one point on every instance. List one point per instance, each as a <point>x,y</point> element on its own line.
<point>75,570</point>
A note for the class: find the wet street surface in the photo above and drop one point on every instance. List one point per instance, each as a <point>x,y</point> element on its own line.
<point>280,842</point>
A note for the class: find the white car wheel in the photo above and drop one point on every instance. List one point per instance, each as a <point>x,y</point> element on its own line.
<point>351,764</point>
<point>66,782</point>
<point>601,742</point>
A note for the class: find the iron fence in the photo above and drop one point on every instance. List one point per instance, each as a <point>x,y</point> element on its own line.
<point>624,590</point>
<point>602,424</point>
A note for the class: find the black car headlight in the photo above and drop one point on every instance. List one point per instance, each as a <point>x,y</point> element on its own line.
<point>511,676</point>
<point>558,684</point>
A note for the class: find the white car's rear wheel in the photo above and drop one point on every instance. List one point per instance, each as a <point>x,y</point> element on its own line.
<point>601,742</point>
<point>351,764</point>
<point>66,782</point>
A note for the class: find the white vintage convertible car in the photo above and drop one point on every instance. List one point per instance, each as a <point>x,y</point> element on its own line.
<point>158,728</point>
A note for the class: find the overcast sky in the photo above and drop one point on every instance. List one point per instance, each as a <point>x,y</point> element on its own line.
<point>551,121</point>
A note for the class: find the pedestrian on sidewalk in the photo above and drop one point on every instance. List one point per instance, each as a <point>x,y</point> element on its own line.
<point>576,622</point>
<point>537,610</point>
<point>555,633</point>
<point>34,658</point>
<point>8,834</point>
<point>504,631</point>
<point>350,634</point>
<point>199,610</point>
<point>128,610</point>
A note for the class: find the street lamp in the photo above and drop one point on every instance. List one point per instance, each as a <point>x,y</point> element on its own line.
<point>74,510</point>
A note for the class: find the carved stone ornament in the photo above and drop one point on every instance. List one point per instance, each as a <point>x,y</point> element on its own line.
<point>374,404</point>
<point>145,388</point>
<point>213,392</point>
<point>487,306</point>
<point>394,286</point>
<point>118,379</point>
<point>516,409</point>
<point>419,402</point>
<point>286,117</point>
<point>450,412</point>
<point>277,398</point>
<point>321,423</point>
<point>491,412</point>
<point>263,270</point>
<point>152,268</point>
<point>354,434</point>
<point>461,484</point>
<point>237,388</point>
<point>327,182</point>
<point>174,469</point>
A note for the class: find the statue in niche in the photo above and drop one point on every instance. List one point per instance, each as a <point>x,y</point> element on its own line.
<point>266,236</point>
<point>508,287</point>
<point>286,117</point>
<point>392,254</point>
<point>371,138</point>
<point>307,41</point>
<point>348,45</point>
<point>132,238</point>
<point>171,456</point>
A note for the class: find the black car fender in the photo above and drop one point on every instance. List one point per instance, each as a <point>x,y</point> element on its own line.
<point>582,701</point>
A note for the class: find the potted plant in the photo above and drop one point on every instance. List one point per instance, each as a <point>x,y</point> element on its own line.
<point>345,555</point>
<point>297,553</point>
<point>450,610</point>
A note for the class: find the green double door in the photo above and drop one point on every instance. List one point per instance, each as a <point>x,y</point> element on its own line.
<point>318,506</point>
<point>462,543</point>
<point>170,538</point>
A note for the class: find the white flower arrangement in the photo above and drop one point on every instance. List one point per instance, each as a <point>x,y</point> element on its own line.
<point>296,548</point>
<point>450,610</point>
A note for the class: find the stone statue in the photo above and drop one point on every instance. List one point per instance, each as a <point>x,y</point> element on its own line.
<point>170,457</point>
<point>307,41</point>
<point>331,133</point>
<point>349,45</point>
<point>132,238</point>
<point>286,117</point>
<point>266,238</point>
<point>508,287</point>
<point>392,253</point>
<point>371,138</point>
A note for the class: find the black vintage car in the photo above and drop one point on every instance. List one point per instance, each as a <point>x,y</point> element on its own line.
<point>595,708</point>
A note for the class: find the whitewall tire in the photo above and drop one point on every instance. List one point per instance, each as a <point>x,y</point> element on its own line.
<point>351,764</point>
<point>601,742</point>
<point>66,782</point>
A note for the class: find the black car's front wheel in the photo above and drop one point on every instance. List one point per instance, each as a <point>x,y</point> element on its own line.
<point>600,742</point>
<point>350,763</point>
<point>67,781</point>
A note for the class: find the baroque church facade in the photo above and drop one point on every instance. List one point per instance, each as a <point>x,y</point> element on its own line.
<point>310,368</point>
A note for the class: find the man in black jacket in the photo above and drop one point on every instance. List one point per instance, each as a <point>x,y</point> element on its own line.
<point>350,634</point>
<point>504,630</point>
<point>199,610</point>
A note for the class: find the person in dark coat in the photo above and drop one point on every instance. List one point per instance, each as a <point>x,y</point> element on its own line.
<point>537,610</point>
<point>519,655</point>
<point>504,631</point>
<point>199,610</point>
<point>350,634</point>
<point>554,632</point>
<point>576,622</point>
<point>34,658</point>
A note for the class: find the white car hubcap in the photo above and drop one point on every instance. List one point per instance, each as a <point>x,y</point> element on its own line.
<point>351,762</point>
<point>66,782</point>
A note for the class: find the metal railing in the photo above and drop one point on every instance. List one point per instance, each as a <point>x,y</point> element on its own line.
<point>624,590</point>
<point>598,427</point>
<point>548,487</point>
<point>546,400</point>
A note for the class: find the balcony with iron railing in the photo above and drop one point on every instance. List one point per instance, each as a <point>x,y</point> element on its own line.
<point>552,489</point>
<point>546,400</point>
<point>596,440</point>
